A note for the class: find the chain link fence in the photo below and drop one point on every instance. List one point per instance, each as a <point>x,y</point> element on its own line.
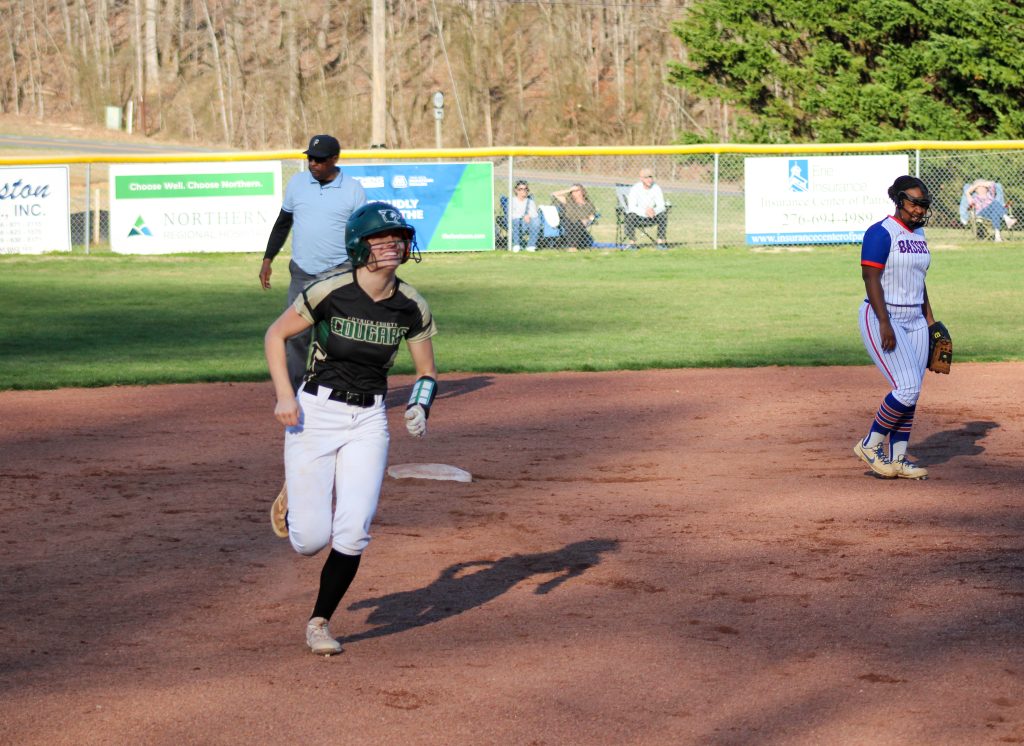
<point>705,192</point>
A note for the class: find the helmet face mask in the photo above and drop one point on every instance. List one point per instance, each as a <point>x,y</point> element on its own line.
<point>924,202</point>
<point>899,193</point>
<point>371,219</point>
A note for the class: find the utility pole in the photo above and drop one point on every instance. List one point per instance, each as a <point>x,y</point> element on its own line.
<point>378,107</point>
<point>438,116</point>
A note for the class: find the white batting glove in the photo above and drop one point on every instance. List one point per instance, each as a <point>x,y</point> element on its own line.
<point>416,421</point>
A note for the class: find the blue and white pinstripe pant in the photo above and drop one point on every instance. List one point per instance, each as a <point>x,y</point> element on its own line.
<point>904,366</point>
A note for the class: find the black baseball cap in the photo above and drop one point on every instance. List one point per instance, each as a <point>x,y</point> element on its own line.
<point>322,146</point>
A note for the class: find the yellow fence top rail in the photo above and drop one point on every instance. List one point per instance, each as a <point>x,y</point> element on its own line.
<point>377,154</point>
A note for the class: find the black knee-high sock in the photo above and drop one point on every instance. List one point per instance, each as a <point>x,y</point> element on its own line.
<point>335,578</point>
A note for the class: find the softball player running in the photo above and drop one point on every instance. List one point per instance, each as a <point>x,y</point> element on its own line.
<point>894,323</point>
<point>336,437</point>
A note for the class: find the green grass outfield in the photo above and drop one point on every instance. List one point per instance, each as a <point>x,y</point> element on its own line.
<point>102,319</point>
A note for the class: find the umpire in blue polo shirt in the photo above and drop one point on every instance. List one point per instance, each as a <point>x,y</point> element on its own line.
<point>317,203</point>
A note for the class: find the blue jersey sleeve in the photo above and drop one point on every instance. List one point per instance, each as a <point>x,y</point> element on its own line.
<point>874,252</point>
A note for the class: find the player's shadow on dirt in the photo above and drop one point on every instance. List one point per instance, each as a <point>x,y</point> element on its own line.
<point>457,590</point>
<point>447,388</point>
<point>939,448</point>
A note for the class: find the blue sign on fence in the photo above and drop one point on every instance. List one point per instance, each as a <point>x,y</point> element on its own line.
<point>451,205</point>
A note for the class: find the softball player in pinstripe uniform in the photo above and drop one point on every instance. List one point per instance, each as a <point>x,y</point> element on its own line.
<point>894,323</point>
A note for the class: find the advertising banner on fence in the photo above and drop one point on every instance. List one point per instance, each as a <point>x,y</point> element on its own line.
<point>35,209</point>
<point>160,208</point>
<point>451,205</point>
<point>817,199</point>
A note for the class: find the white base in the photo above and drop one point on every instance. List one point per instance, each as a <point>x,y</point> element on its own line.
<point>429,471</point>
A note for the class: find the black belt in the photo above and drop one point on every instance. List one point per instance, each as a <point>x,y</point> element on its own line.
<point>347,397</point>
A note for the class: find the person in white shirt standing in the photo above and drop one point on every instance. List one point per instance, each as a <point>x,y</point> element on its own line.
<point>645,207</point>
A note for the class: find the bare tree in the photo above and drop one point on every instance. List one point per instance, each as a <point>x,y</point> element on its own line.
<point>13,102</point>
<point>151,86</point>
<point>218,69</point>
<point>291,71</point>
<point>65,18</point>
<point>139,91</point>
<point>258,75</point>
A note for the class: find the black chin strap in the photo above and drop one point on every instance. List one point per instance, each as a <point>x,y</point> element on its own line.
<point>915,224</point>
<point>912,224</point>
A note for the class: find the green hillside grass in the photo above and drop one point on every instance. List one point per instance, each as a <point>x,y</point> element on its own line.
<point>102,319</point>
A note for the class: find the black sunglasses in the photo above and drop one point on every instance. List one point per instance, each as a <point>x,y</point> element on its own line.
<point>313,159</point>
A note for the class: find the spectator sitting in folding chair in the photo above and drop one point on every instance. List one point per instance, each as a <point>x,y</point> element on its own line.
<point>645,207</point>
<point>523,217</point>
<point>985,200</point>
<point>577,215</point>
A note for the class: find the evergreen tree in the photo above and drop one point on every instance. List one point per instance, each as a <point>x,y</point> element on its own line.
<point>860,70</point>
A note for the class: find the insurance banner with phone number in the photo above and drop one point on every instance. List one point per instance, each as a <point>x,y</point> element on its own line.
<point>451,205</point>
<point>820,199</point>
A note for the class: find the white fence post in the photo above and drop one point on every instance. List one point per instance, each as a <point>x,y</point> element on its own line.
<point>86,214</point>
<point>96,219</point>
<point>714,209</point>
<point>508,208</point>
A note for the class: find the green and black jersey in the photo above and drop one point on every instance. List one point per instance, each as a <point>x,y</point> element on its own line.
<point>355,339</point>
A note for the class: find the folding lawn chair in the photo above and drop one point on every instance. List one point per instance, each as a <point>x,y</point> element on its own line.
<point>981,226</point>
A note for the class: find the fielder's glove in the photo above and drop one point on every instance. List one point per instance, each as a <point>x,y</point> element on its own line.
<point>940,348</point>
<point>416,421</point>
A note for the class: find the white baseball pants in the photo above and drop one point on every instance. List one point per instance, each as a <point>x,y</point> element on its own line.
<point>904,366</point>
<point>337,450</point>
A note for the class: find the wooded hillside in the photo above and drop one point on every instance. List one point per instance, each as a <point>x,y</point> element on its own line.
<point>267,75</point>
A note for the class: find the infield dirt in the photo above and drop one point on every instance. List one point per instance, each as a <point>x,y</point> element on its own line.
<point>684,556</point>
